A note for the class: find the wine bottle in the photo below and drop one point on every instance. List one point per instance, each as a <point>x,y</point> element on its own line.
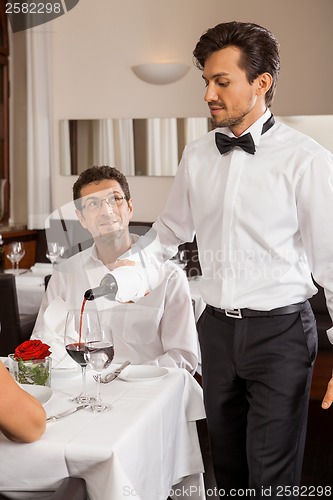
<point>107,288</point>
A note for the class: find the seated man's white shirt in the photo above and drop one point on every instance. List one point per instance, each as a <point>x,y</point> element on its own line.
<point>158,329</point>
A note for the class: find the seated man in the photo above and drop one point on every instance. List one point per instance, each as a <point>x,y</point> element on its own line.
<point>158,329</point>
<point>22,417</point>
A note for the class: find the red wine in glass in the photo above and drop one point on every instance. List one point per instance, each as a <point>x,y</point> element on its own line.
<point>79,323</point>
<point>76,351</point>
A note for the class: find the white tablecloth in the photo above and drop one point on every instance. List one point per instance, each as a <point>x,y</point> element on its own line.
<point>30,288</point>
<point>146,444</point>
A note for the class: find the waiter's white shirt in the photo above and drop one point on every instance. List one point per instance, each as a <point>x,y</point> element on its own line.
<point>263,222</point>
<point>158,329</point>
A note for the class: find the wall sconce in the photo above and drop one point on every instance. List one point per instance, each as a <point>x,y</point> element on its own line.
<point>160,73</point>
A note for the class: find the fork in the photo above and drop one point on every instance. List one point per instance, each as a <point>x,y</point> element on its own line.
<point>113,375</point>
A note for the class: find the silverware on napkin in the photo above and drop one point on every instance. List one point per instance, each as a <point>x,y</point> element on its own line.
<point>112,376</point>
<point>53,418</point>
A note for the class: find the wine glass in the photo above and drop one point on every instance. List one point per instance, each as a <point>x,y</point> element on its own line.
<point>77,324</point>
<point>99,352</point>
<point>180,259</point>
<point>183,260</point>
<point>15,255</point>
<point>54,250</point>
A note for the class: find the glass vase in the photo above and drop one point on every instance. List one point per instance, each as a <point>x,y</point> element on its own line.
<point>33,371</point>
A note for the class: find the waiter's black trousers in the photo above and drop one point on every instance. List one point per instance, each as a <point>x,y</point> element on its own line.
<point>256,376</point>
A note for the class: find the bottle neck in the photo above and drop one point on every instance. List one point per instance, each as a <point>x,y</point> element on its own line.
<point>107,288</point>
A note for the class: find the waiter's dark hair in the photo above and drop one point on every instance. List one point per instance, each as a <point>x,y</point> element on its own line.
<point>96,175</point>
<point>260,50</point>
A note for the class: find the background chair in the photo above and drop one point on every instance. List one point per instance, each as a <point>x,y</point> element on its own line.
<point>14,328</point>
<point>71,488</point>
<point>46,280</point>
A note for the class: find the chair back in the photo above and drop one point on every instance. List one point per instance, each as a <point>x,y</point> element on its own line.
<point>10,327</point>
<point>46,280</point>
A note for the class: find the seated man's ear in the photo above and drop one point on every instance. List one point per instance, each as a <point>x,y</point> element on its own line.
<point>81,218</point>
<point>130,208</point>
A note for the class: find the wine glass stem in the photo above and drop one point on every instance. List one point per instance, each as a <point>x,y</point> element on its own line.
<point>84,384</point>
<point>98,394</point>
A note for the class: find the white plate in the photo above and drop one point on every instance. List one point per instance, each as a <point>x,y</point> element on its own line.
<point>140,373</point>
<point>40,392</point>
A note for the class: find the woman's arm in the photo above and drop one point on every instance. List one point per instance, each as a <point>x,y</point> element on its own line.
<point>22,417</point>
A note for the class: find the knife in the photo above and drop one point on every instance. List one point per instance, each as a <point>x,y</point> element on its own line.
<point>53,418</point>
<point>111,376</point>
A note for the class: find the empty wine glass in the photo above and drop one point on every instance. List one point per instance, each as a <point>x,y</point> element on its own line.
<point>77,324</point>
<point>180,259</point>
<point>15,254</point>
<point>99,352</point>
<point>54,250</point>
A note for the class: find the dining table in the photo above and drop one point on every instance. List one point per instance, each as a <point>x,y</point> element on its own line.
<point>145,448</point>
<point>30,287</point>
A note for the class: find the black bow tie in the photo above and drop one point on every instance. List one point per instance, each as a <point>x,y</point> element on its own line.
<point>225,143</point>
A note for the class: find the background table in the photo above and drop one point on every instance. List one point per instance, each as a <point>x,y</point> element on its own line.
<point>30,288</point>
<point>144,445</point>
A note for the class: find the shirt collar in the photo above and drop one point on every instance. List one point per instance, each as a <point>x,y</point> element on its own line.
<point>93,250</point>
<point>256,128</point>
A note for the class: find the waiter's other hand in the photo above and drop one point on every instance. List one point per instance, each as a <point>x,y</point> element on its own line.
<point>328,398</point>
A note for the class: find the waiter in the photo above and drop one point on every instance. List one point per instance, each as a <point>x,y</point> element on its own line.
<point>259,197</point>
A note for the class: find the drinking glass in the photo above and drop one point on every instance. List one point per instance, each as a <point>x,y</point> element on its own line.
<point>77,325</point>
<point>183,260</point>
<point>180,259</point>
<point>54,251</point>
<point>99,352</point>
<point>15,254</point>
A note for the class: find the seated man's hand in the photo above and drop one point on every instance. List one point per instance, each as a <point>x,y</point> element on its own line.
<point>328,398</point>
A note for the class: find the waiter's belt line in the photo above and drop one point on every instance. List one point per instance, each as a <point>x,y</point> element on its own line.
<point>252,313</point>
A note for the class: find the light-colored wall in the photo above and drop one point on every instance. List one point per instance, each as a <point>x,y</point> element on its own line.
<point>96,43</point>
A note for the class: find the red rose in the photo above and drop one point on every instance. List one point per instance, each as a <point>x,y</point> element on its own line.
<point>32,349</point>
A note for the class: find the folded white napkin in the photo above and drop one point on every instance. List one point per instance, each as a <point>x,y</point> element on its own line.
<point>54,320</point>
